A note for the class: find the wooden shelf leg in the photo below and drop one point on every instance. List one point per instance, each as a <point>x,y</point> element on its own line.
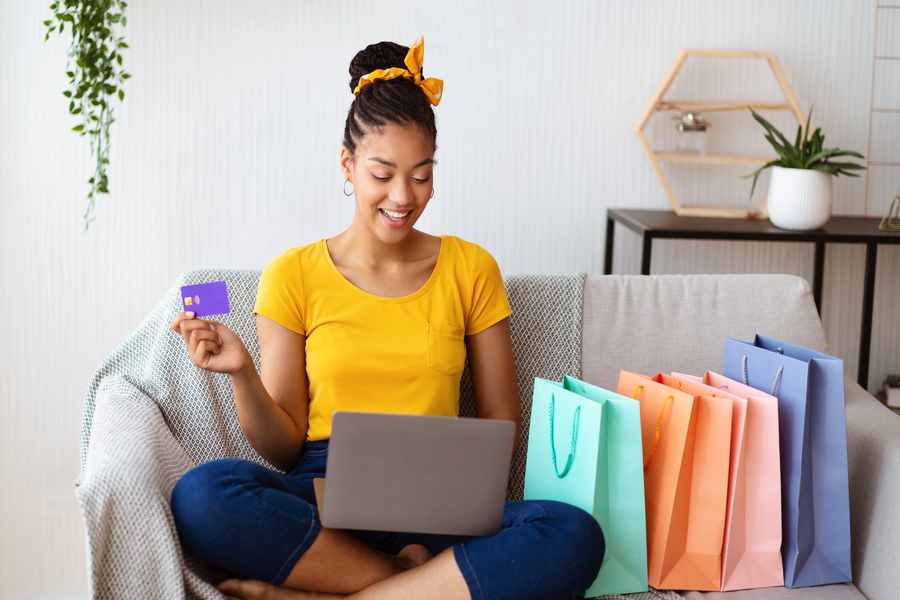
<point>865,336</point>
<point>645,253</point>
<point>818,269</point>
<point>610,239</point>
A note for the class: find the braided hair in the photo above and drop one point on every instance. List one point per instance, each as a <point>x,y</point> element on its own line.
<point>397,101</point>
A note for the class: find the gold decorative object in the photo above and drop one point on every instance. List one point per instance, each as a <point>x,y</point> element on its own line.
<point>657,103</point>
<point>891,219</point>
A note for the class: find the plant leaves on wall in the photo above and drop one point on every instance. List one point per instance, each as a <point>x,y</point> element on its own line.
<point>95,75</point>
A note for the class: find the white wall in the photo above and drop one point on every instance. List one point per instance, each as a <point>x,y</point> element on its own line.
<point>225,153</point>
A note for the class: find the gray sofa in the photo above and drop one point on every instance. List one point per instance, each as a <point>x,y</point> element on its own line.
<point>150,415</point>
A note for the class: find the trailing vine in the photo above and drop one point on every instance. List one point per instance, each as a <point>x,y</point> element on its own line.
<point>96,77</point>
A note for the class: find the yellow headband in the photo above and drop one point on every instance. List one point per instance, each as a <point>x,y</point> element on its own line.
<point>432,87</point>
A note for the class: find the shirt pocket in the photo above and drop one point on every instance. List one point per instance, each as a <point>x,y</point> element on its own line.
<point>446,348</point>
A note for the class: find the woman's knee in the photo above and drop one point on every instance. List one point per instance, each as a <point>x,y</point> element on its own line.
<point>199,492</point>
<point>578,536</point>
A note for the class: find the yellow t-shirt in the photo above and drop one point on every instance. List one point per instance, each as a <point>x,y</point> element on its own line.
<point>392,355</point>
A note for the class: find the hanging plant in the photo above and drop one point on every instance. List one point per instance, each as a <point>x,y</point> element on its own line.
<point>95,78</point>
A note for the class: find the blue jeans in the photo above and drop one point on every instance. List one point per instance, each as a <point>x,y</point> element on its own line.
<point>257,523</point>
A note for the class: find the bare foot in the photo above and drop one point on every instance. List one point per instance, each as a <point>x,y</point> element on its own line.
<point>250,589</point>
<point>410,557</point>
<point>414,555</point>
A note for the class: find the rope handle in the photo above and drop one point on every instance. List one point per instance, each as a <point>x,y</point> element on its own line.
<point>656,431</point>
<point>777,375</point>
<point>656,434</point>
<point>575,419</point>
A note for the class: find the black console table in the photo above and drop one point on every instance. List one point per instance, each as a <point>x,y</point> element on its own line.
<point>652,225</point>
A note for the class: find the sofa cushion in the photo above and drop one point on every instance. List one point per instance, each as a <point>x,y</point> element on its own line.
<point>838,591</point>
<point>873,453</point>
<point>664,323</point>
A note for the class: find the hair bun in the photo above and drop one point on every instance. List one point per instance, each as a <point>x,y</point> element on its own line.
<point>383,55</point>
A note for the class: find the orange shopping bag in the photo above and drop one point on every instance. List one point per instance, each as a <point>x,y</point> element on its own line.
<point>686,443</point>
<point>751,556</point>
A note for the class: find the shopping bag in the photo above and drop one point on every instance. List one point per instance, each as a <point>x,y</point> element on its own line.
<point>751,554</point>
<point>686,446</point>
<point>584,448</point>
<point>812,428</point>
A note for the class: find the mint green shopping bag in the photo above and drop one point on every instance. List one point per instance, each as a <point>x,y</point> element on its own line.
<point>584,448</point>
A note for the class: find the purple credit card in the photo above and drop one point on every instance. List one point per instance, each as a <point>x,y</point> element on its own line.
<point>206,299</point>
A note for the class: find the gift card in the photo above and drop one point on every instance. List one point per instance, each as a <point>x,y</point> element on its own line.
<point>206,299</point>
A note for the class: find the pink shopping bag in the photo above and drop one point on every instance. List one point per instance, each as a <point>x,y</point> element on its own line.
<point>751,553</point>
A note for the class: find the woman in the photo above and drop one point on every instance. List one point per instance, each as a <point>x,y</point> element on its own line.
<point>378,318</point>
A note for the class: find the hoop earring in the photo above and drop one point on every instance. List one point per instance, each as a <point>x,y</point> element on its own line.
<point>346,181</point>
<point>432,194</point>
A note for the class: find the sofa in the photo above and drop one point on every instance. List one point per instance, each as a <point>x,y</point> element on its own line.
<point>150,415</point>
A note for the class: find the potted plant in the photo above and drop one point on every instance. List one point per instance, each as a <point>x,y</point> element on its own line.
<point>800,187</point>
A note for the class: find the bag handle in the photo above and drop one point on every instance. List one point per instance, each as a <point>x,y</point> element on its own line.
<point>777,375</point>
<point>575,419</point>
<point>656,431</point>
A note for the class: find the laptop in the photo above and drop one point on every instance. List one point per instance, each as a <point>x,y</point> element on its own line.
<point>415,474</point>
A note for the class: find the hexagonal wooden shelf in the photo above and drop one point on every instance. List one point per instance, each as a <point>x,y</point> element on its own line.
<point>657,104</point>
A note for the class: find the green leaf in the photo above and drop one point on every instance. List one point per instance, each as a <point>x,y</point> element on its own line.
<point>78,128</point>
<point>48,22</point>
<point>121,95</point>
<point>826,154</point>
<point>769,127</point>
<point>126,75</point>
<point>67,94</point>
<point>123,45</point>
<point>119,59</point>
<point>76,111</point>
<point>846,165</point>
<point>849,153</point>
<point>806,134</point>
<point>755,175</point>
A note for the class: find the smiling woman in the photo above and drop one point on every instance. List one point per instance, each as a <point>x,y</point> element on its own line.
<point>392,177</point>
<point>379,318</point>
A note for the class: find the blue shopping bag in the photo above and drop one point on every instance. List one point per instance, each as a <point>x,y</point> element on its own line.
<point>815,495</point>
<point>584,448</point>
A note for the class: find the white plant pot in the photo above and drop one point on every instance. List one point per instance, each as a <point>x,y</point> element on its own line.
<point>799,199</point>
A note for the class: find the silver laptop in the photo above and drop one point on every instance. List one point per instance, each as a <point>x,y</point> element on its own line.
<point>417,474</point>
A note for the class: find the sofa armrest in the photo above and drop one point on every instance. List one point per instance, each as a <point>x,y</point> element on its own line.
<point>132,463</point>
<point>873,453</point>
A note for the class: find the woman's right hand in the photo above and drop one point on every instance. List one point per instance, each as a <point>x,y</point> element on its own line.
<point>211,345</point>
